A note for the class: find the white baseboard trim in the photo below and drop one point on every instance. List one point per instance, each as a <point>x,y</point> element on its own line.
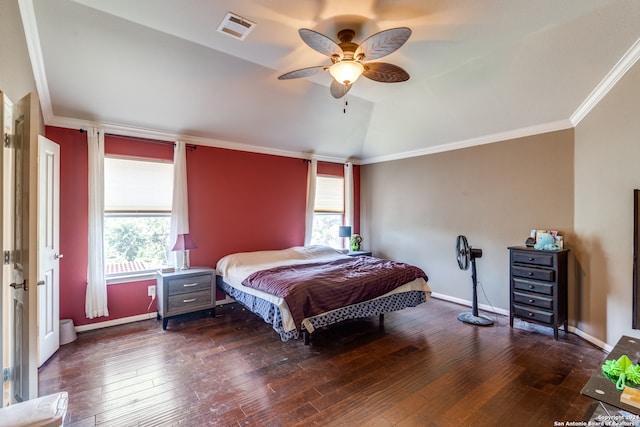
<point>598,343</point>
<point>114,322</point>
<point>131,319</point>
<point>461,301</point>
<point>593,340</point>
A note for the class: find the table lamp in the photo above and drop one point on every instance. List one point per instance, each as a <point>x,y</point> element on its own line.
<point>344,231</point>
<point>184,243</point>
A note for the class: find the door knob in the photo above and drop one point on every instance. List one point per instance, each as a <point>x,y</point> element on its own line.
<point>58,256</point>
<point>17,285</point>
<point>41,282</point>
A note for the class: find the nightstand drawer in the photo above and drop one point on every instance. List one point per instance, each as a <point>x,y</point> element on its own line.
<point>533,273</point>
<point>545,260</point>
<point>181,285</point>
<point>533,314</point>
<point>533,299</point>
<point>532,286</point>
<point>189,302</point>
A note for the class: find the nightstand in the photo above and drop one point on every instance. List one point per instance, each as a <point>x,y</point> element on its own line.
<point>185,291</point>
<point>359,253</point>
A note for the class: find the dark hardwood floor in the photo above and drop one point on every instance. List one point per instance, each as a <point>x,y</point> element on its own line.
<point>425,368</point>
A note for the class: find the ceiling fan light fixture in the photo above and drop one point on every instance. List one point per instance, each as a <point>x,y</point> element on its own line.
<point>346,72</point>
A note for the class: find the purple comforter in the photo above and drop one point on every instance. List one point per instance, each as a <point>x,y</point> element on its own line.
<point>311,289</point>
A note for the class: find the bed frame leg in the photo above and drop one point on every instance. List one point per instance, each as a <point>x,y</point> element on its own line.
<point>306,337</point>
<point>382,320</point>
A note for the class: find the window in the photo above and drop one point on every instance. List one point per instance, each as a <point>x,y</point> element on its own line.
<point>137,214</point>
<point>328,212</point>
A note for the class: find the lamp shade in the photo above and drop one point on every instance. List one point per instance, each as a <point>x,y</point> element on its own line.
<point>344,231</point>
<point>184,243</point>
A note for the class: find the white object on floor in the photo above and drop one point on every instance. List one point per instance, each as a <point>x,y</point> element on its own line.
<point>46,411</point>
<point>67,331</point>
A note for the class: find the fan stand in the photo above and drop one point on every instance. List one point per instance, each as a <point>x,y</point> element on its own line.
<point>474,318</point>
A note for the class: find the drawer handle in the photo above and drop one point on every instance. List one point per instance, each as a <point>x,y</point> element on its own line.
<point>189,285</point>
<point>531,259</point>
<point>531,314</point>
<point>532,300</point>
<point>189,300</point>
<point>531,287</point>
<point>531,273</point>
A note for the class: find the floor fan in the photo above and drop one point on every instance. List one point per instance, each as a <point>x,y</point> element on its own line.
<point>466,256</point>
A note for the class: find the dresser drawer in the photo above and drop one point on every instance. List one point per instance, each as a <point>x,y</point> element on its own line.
<point>532,286</point>
<point>533,299</point>
<point>533,314</point>
<point>181,285</point>
<point>545,260</point>
<point>190,302</point>
<point>533,273</point>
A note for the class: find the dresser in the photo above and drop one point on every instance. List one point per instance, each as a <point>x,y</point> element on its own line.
<point>185,291</point>
<point>538,291</point>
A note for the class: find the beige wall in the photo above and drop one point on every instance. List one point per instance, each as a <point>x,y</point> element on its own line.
<point>607,169</point>
<point>413,209</point>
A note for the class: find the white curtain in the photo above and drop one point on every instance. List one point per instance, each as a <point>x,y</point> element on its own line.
<point>348,195</point>
<point>311,200</point>
<point>179,204</point>
<point>96,299</point>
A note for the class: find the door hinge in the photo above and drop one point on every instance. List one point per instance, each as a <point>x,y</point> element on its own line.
<point>8,139</point>
<point>6,374</point>
<point>7,257</point>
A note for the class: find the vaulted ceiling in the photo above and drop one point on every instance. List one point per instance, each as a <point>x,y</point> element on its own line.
<point>480,71</point>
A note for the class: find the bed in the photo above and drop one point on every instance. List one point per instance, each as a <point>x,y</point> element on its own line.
<point>300,289</point>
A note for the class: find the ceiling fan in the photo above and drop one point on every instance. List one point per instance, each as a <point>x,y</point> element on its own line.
<point>350,60</point>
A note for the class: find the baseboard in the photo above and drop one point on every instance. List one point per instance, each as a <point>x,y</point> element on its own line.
<point>598,343</point>
<point>131,319</point>
<point>461,301</point>
<point>115,322</point>
<point>593,340</point>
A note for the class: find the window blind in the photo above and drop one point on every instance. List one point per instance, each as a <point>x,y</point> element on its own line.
<point>137,185</point>
<point>329,194</point>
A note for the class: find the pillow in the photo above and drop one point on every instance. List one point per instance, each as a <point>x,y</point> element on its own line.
<point>282,256</point>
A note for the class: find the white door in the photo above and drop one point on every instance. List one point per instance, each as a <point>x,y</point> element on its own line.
<point>6,110</point>
<point>48,248</point>
<point>23,266</point>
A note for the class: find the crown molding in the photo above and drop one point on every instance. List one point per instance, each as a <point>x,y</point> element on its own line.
<point>610,80</point>
<point>117,129</point>
<point>472,142</point>
<point>32,38</point>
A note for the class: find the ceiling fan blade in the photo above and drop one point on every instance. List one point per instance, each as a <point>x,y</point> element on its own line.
<point>338,90</point>
<point>321,43</point>
<point>303,72</point>
<point>382,43</point>
<point>385,73</point>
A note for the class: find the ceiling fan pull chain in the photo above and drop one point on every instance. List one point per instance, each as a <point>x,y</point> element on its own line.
<point>346,102</point>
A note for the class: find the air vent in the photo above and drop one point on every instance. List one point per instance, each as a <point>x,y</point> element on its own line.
<point>235,26</point>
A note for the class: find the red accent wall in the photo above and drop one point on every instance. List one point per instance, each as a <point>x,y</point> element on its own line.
<point>238,201</point>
